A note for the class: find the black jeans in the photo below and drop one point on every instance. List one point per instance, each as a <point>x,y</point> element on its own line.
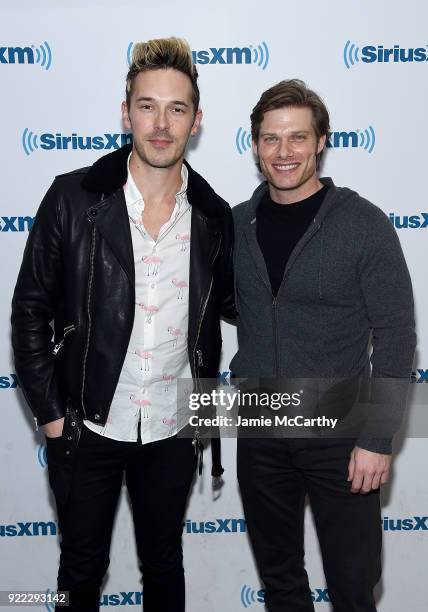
<point>274,477</point>
<point>158,479</point>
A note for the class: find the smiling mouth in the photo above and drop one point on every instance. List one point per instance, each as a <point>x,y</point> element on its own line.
<point>285,167</point>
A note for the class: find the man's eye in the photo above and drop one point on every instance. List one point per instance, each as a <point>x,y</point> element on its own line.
<point>271,139</point>
<point>178,109</point>
<point>145,107</point>
<point>298,137</point>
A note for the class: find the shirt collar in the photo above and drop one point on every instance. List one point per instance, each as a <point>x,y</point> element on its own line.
<point>133,194</point>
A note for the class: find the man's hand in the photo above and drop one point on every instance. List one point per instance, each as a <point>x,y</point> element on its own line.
<point>367,470</point>
<point>54,428</point>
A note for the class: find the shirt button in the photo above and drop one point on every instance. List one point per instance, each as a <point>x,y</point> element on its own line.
<point>97,417</point>
<point>152,285</point>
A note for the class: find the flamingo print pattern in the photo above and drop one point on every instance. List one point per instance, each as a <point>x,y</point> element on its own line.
<point>143,404</point>
<point>157,357</point>
<point>149,310</point>
<point>152,262</point>
<point>167,378</point>
<point>145,356</point>
<point>170,423</point>
<point>184,241</point>
<point>175,333</point>
<point>181,285</point>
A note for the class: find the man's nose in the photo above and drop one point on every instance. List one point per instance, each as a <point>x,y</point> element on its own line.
<point>285,149</point>
<point>162,119</point>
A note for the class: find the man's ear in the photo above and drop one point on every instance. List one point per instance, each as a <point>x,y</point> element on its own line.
<point>321,144</point>
<point>125,116</point>
<point>196,123</point>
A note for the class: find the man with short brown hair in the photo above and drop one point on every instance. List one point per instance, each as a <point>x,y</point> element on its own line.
<point>320,280</point>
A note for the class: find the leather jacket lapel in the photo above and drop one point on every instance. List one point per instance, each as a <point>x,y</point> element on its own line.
<point>111,219</point>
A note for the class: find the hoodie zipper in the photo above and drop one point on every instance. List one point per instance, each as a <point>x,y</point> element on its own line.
<point>88,310</point>
<point>312,232</point>
<point>275,324</point>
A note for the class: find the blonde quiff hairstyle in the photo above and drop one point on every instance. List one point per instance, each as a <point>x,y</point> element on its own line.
<point>163,53</point>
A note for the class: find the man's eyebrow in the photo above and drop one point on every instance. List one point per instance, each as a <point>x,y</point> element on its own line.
<point>293,132</point>
<point>148,99</point>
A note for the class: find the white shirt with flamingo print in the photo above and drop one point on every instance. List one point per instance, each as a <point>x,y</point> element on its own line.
<point>157,353</point>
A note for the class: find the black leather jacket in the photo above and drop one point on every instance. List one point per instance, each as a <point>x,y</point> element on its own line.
<point>78,272</point>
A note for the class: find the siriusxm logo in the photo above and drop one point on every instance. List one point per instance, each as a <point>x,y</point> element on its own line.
<point>224,377</point>
<point>253,54</point>
<point>41,55</point>
<point>15,224</point>
<point>413,523</point>
<point>357,139</point>
<point>409,222</point>
<point>59,142</point>
<point>363,139</point>
<point>352,54</point>
<point>41,455</point>
<point>40,528</point>
<point>130,598</point>
<point>227,525</point>
<point>420,376</point>
<point>9,382</point>
<point>251,596</point>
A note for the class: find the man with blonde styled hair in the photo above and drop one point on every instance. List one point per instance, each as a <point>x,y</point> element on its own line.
<point>131,261</point>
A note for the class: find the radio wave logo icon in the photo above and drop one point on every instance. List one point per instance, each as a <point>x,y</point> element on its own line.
<point>43,55</point>
<point>29,141</point>
<point>129,52</point>
<point>351,54</point>
<point>368,139</point>
<point>41,455</point>
<point>248,596</point>
<point>243,140</point>
<point>261,55</point>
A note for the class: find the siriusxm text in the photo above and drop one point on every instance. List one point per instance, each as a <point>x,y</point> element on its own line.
<point>395,54</point>
<point>58,141</point>
<point>16,224</point>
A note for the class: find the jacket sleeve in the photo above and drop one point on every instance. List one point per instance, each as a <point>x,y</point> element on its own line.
<point>227,299</point>
<point>387,291</point>
<point>36,293</point>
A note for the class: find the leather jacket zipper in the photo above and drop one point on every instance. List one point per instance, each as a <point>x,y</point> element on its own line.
<point>88,310</point>
<point>199,352</point>
<point>196,437</point>
<point>67,330</point>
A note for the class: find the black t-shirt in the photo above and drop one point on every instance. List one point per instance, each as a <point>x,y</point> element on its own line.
<point>279,229</point>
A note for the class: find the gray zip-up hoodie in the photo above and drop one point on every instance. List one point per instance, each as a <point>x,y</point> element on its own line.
<point>346,289</point>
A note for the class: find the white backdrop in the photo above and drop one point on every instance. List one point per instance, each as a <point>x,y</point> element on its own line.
<point>62,71</point>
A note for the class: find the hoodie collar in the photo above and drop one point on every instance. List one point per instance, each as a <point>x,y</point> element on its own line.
<point>110,173</point>
<point>263,188</point>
